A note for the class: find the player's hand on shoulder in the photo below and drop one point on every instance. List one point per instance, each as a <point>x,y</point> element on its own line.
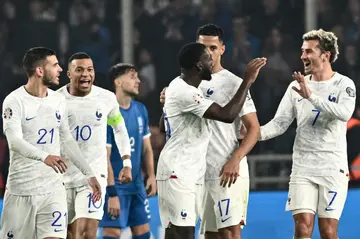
<point>125,175</point>
<point>56,163</point>
<point>162,96</point>
<point>229,172</point>
<point>94,184</point>
<point>253,68</point>
<point>151,186</point>
<point>113,207</point>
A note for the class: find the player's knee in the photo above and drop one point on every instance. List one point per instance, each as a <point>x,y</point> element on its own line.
<point>303,228</point>
<point>89,233</point>
<point>230,232</point>
<point>110,233</point>
<point>328,233</point>
<point>143,236</point>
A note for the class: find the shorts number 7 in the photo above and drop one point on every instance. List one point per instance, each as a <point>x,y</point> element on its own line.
<point>331,200</point>
<point>316,116</point>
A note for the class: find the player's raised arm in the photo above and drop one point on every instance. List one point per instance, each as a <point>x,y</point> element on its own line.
<point>13,131</point>
<point>73,152</point>
<point>121,137</point>
<point>341,109</point>
<point>282,120</point>
<point>231,110</point>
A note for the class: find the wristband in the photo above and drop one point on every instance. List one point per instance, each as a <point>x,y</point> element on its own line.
<point>111,190</point>
<point>127,163</point>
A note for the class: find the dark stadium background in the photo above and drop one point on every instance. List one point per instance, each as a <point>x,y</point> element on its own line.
<point>149,33</point>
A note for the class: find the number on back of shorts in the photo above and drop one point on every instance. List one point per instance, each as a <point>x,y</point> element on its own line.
<point>223,206</point>
<point>147,208</point>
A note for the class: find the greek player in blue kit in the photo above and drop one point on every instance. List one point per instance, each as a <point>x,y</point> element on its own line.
<point>126,205</point>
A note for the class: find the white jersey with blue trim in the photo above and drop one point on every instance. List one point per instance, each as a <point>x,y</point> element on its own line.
<point>37,124</point>
<point>87,118</point>
<point>225,137</point>
<point>320,147</point>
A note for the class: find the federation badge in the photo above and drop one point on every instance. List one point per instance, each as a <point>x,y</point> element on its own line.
<point>8,113</point>
<point>350,91</point>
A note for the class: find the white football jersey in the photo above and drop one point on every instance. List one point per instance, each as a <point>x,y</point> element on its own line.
<point>225,137</point>
<point>320,147</point>
<point>87,118</point>
<point>40,123</point>
<point>184,154</point>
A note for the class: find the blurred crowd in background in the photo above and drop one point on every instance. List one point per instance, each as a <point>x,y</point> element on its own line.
<point>253,28</point>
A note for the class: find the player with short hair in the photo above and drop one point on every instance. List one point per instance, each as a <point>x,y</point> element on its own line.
<point>182,162</point>
<point>131,197</point>
<point>36,127</point>
<point>225,208</point>
<point>90,109</point>
<point>322,102</point>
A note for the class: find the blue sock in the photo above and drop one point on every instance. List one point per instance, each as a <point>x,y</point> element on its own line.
<point>143,236</point>
<point>104,237</point>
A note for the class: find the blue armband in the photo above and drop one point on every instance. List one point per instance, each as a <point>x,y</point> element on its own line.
<point>111,191</point>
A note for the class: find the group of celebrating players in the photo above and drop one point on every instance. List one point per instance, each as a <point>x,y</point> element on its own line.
<point>80,132</point>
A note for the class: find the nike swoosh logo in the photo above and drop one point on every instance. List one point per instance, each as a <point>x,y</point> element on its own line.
<point>30,118</point>
<point>224,220</point>
<point>329,209</point>
<point>58,230</point>
<point>90,211</point>
<point>300,99</point>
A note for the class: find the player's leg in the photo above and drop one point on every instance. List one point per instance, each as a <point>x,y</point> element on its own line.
<point>18,217</point>
<point>302,202</point>
<point>177,205</point>
<point>332,197</point>
<point>52,217</point>
<point>139,216</point>
<point>112,226</point>
<point>84,224</point>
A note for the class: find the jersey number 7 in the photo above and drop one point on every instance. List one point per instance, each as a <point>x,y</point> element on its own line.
<point>316,116</point>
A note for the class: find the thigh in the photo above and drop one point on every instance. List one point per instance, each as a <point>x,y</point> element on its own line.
<point>303,194</point>
<point>51,218</point>
<point>230,204</point>
<point>18,218</point>
<point>177,203</point>
<point>332,197</point>
<point>139,210</point>
<point>70,198</point>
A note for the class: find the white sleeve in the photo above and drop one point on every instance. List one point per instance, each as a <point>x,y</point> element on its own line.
<point>71,148</point>
<point>191,100</point>
<point>343,108</point>
<point>121,136</point>
<point>13,131</point>
<point>282,120</point>
<point>249,106</point>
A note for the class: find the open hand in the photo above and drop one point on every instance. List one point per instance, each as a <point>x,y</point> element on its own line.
<point>304,90</point>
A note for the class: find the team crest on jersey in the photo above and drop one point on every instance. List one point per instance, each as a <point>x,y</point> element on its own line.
<point>350,91</point>
<point>332,98</point>
<point>8,113</point>
<point>10,235</point>
<point>98,115</point>
<point>141,124</point>
<point>209,92</point>
<point>58,116</point>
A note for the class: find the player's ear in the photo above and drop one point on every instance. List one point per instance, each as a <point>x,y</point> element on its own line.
<point>222,49</point>
<point>68,74</point>
<point>39,71</point>
<point>199,66</point>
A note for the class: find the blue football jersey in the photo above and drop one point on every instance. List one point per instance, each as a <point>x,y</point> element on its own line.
<point>137,124</point>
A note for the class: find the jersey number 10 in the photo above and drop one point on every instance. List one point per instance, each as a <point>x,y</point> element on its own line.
<point>83,133</point>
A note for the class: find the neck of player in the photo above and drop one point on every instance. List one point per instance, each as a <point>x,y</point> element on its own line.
<point>323,75</point>
<point>123,99</point>
<point>36,88</point>
<point>217,68</point>
<point>191,78</point>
